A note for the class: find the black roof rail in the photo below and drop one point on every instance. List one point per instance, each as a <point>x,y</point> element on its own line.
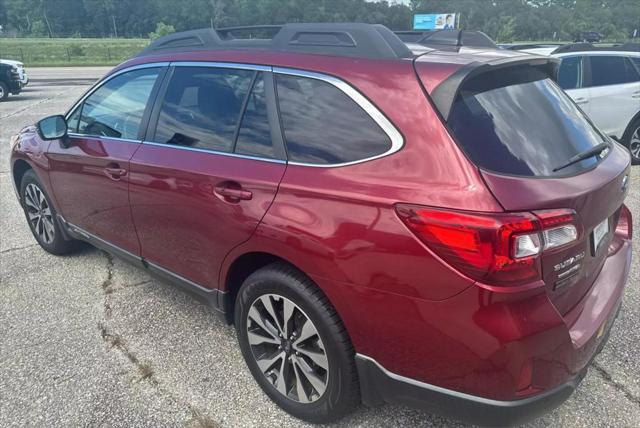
<point>586,47</point>
<point>439,38</point>
<point>341,39</point>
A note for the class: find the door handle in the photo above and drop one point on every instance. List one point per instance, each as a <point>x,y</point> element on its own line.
<point>581,101</point>
<point>233,192</point>
<point>115,172</point>
<point>635,95</point>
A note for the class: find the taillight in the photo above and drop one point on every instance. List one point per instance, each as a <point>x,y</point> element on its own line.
<point>493,248</point>
<point>624,229</point>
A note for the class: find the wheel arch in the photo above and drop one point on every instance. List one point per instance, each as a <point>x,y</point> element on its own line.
<point>628,129</point>
<point>20,167</point>
<point>239,269</point>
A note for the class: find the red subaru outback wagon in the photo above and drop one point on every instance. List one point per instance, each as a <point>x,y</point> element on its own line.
<point>444,229</point>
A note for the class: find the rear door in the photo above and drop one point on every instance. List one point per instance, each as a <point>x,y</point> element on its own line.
<point>614,92</point>
<point>209,168</point>
<point>571,78</point>
<point>519,128</point>
<point>90,174</point>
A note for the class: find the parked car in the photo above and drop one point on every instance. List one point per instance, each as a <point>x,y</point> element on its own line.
<point>9,81</point>
<point>22,72</point>
<point>588,37</point>
<point>378,226</point>
<point>605,82</point>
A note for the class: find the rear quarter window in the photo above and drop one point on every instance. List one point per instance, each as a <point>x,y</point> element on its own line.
<point>324,126</point>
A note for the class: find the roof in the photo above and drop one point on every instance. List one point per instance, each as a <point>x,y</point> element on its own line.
<point>447,38</point>
<point>339,39</point>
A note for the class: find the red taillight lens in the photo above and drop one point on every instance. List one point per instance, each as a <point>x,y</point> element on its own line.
<point>493,248</point>
<point>624,228</point>
<point>482,246</point>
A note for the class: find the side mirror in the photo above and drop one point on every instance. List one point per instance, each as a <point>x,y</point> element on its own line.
<point>52,128</point>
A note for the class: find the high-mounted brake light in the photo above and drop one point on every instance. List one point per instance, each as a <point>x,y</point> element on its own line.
<point>493,248</point>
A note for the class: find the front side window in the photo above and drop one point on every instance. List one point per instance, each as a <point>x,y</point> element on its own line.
<point>519,122</point>
<point>116,108</point>
<point>202,107</point>
<point>570,74</point>
<point>322,125</point>
<point>612,70</point>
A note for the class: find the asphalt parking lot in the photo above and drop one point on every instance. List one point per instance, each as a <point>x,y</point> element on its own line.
<point>88,340</point>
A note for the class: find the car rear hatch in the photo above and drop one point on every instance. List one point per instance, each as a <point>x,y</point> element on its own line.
<point>526,137</point>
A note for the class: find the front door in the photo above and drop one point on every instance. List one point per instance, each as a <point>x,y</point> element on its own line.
<point>209,170</point>
<point>90,172</point>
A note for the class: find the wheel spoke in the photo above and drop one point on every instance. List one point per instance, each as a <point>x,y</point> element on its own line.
<point>317,383</point>
<point>302,394</point>
<point>281,382</point>
<point>265,325</point>
<point>288,313</point>
<point>32,216</point>
<point>318,358</point>
<point>266,363</point>
<point>48,228</point>
<point>258,339</point>
<point>308,330</point>
<point>268,305</point>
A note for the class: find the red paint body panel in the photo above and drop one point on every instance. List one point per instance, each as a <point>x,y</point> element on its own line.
<point>87,195</point>
<point>182,224</point>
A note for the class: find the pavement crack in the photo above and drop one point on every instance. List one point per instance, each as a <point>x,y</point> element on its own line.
<point>615,384</point>
<point>144,369</point>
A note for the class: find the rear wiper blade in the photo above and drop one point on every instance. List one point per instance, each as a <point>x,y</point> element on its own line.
<point>594,151</point>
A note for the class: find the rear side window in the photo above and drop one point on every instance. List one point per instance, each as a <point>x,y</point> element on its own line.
<point>116,108</point>
<point>322,125</point>
<point>520,122</point>
<point>570,74</point>
<point>202,106</point>
<point>254,136</point>
<point>612,70</point>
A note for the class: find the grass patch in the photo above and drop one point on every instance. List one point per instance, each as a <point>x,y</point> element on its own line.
<point>70,51</point>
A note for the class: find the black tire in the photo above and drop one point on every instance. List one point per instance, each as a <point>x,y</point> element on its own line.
<point>342,393</point>
<point>50,239</point>
<point>631,140</point>
<point>4,91</point>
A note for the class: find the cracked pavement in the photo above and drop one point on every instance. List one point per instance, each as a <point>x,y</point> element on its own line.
<point>89,340</point>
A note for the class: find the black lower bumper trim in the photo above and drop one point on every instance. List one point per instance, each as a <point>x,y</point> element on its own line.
<point>378,385</point>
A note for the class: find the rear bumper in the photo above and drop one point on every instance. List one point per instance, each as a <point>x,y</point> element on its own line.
<point>378,385</point>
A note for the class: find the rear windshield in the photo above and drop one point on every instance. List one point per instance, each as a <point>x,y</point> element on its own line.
<point>520,122</point>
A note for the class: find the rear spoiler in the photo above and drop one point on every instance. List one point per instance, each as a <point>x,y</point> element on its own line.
<point>445,93</point>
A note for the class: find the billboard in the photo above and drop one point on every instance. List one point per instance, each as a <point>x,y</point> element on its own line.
<point>434,21</point>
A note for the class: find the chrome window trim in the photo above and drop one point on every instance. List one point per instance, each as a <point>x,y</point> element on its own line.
<point>215,152</point>
<point>100,137</point>
<point>397,141</point>
<point>99,84</point>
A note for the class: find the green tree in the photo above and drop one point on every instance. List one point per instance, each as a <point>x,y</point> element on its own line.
<point>162,29</point>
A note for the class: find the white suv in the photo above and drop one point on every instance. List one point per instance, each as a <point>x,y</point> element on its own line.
<point>605,83</point>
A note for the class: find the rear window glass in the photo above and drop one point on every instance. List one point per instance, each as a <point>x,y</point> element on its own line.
<point>322,125</point>
<point>519,122</point>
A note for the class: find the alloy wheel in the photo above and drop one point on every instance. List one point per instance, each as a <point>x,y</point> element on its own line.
<point>1,92</point>
<point>287,348</point>
<point>634,144</point>
<point>39,213</point>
